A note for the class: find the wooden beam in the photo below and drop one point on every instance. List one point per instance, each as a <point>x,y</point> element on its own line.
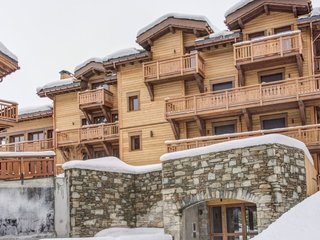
<point>266,9</point>
<point>248,118</point>
<point>106,113</point>
<point>201,125</point>
<point>240,75</point>
<point>88,116</point>
<point>200,83</point>
<point>107,146</point>
<point>299,65</point>
<point>89,151</point>
<point>302,111</point>
<point>295,11</point>
<point>150,42</point>
<point>172,29</point>
<point>175,128</point>
<point>150,90</point>
<point>241,25</point>
<point>63,154</point>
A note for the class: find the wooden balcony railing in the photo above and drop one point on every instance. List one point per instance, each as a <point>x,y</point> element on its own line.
<point>310,135</point>
<point>245,97</point>
<point>173,67</point>
<point>95,97</point>
<point>26,168</point>
<point>317,64</point>
<point>28,146</point>
<point>93,133</point>
<point>279,45</point>
<point>8,111</point>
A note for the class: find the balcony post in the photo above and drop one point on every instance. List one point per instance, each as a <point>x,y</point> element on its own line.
<point>281,46</point>
<point>158,70</point>
<point>251,51</point>
<point>195,104</point>
<point>260,94</point>
<point>196,56</point>
<point>297,89</point>
<point>181,65</point>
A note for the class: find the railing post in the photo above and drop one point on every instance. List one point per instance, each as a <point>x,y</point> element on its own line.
<point>197,62</point>
<point>195,104</point>
<point>251,51</point>
<point>297,89</point>
<point>158,71</point>
<point>227,100</point>
<point>281,46</point>
<point>260,94</point>
<point>181,66</point>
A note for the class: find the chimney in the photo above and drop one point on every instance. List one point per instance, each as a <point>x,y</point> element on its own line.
<point>65,74</point>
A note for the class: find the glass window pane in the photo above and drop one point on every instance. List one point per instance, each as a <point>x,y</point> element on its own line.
<point>271,78</point>
<point>251,219</point>
<point>221,86</point>
<point>225,129</point>
<point>216,220</point>
<point>274,123</point>
<point>234,220</point>
<point>217,238</point>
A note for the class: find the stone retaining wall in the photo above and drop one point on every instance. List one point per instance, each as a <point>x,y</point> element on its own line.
<point>272,176</point>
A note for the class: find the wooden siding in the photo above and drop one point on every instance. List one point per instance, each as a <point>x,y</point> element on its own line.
<point>34,125</point>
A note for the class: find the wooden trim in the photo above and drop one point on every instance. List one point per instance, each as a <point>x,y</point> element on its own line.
<point>274,116</point>
<point>134,134</point>
<point>132,94</point>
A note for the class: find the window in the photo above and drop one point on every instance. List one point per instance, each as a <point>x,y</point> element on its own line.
<point>271,76</point>
<point>35,136</point>
<point>17,138</point>
<point>254,35</point>
<point>224,128</point>
<point>222,86</point>
<point>135,141</point>
<point>99,119</point>
<point>282,29</point>
<point>99,85</point>
<point>274,121</point>
<point>2,140</point>
<point>133,102</point>
<point>50,134</point>
<point>238,221</point>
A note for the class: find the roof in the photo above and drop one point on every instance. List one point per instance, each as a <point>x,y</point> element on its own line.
<point>215,38</point>
<point>5,51</point>
<point>122,53</point>
<point>312,16</point>
<point>35,112</point>
<point>68,84</point>
<point>85,63</point>
<point>177,16</point>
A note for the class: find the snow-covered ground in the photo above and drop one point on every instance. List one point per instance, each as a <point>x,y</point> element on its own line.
<point>300,222</point>
<point>127,234</point>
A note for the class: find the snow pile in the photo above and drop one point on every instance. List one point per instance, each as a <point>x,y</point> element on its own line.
<point>59,83</point>
<point>85,63</point>
<point>242,143</point>
<point>7,52</point>
<point>300,222</point>
<point>27,154</point>
<point>178,16</point>
<point>110,164</point>
<point>122,53</point>
<point>127,234</point>
<point>29,110</point>
<point>237,6</point>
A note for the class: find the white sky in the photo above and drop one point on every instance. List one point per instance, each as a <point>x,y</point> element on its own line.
<point>52,35</point>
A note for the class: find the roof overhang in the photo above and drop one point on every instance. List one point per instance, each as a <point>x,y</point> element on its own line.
<point>211,42</point>
<point>113,63</point>
<point>199,27</point>
<point>238,18</point>
<point>7,65</point>
<point>51,92</point>
<point>89,70</point>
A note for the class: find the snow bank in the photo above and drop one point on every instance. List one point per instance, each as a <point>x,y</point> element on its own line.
<point>110,164</point>
<point>59,83</point>
<point>178,16</point>
<point>237,6</point>
<point>122,53</point>
<point>300,222</point>
<point>85,63</point>
<point>128,234</point>
<point>7,52</point>
<point>27,154</point>
<point>29,110</point>
<point>242,143</point>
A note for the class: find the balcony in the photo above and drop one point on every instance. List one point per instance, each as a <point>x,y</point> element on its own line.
<point>190,66</point>
<point>237,99</point>
<point>28,146</point>
<point>88,135</point>
<point>95,98</point>
<point>282,48</point>
<point>19,168</point>
<point>310,135</point>
<point>8,113</point>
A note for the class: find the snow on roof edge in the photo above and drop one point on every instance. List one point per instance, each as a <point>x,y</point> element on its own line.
<point>110,164</point>
<point>4,50</point>
<point>237,6</point>
<point>28,154</point>
<point>241,143</point>
<point>125,52</point>
<point>176,15</point>
<point>31,110</point>
<point>87,62</point>
<point>58,83</point>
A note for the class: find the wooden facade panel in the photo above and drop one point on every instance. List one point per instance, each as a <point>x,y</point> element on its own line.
<point>167,46</point>
<point>191,87</point>
<point>67,113</point>
<point>28,126</point>
<point>188,39</point>
<point>153,138</point>
<point>192,130</point>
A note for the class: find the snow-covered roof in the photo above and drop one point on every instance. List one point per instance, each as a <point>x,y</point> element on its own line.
<point>314,14</point>
<point>127,234</point>
<point>237,6</point>
<point>4,50</point>
<point>37,109</point>
<point>85,63</point>
<point>300,222</point>
<point>68,82</point>
<point>110,164</point>
<point>178,16</point>
<point>27,154</point>
<point>123,53</point>
<point>242,143</point>
<point>217,36</point>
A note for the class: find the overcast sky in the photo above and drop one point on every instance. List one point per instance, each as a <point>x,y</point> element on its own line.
<point>53,35</point>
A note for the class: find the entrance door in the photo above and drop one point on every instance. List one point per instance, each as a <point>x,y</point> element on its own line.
<point>233,222</point>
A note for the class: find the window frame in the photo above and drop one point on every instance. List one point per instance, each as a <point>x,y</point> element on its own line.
<point>265,32</point>
<point>135,134</point>
<point>222,80</point>
<point>285,26</point>
<point>224,123</point>
<point>133,94</point>
<point>273,116</point>
<point>272,72</point>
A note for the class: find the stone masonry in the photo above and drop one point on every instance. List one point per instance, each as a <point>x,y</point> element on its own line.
<point>272,176</point>
<point>100,200</point>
